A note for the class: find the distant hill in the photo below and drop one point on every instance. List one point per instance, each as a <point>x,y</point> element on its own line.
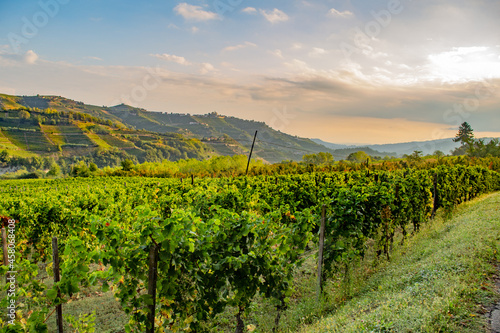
<point>332,145</point>
<point>60,125</point>
<point>400,149</point>
<point>341,152</point>
<point>426,147</point>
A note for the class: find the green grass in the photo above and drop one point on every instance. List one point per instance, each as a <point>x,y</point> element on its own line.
<point>440,281</point>
<point>20,153</point>
<point>98,141</point>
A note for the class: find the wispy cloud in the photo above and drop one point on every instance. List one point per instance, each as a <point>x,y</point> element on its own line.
<point>317,51</point>
<point>202,68</point>
<point>249,10</point>
<point>278,53</point>
<point>14,59</point>
<point>194,13</point>
<point>344,14</point>
<point>172,58</point>
<point>173,26</point>
<point>275,15</point>
<point>239,47</point>
<point>94,58</point>
<point>206,68</point>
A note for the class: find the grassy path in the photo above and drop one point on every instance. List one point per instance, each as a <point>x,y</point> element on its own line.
<point>440,281</point>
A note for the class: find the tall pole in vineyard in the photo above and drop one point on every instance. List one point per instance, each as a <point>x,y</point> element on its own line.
<point>320,254</point>
<point>152,278</point>
<point>55,267</point>
<point>251,150</point>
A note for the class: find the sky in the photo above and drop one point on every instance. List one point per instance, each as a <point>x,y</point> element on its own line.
<point>344,71</point>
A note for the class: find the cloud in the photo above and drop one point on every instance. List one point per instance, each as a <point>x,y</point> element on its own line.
<point>249,10</point>
<point>173,26</point>
<point>94,58</point>
<point>206,68</point>
<point>194,30</point>
<point>203,68</point>
<point>327,103</point>
<point>239,47</point>
<point>14,59</point>
<point>30,57</point>
<point>335,13</point>
<point>464,64</point>
<point>275,15</point>
<point>172,58</point>
<point>278,53</point>
<point>194,13</point>
<point>317,51</point>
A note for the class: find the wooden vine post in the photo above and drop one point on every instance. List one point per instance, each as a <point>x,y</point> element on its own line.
<point>153,275</point>
<point>251,151</point>
<point>55,258</point>
<point>320,255</point>
<point>435,202</point>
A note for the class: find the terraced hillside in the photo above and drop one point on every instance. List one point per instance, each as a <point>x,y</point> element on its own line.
<point>33,131</point>
<point>220,135</point>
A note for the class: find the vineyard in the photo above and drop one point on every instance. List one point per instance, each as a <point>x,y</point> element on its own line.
<point>177,252</point>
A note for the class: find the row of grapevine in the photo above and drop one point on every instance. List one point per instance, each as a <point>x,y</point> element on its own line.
<point>219,241</point>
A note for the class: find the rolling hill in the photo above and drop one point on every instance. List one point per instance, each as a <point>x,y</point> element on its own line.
<point>56,125</point>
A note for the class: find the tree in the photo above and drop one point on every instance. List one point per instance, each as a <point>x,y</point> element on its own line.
<point>80,170</point>
<point>54,170</point>
<point>359,157</point>
<point>93,167</point>
<point>438,153</point>
<point>127,165</point>
<point>24,114</point>
<point>319,158</point>
<point>481,149</point>
<point>415,156</point>
<point>4,156</point>
<point>465,134</point>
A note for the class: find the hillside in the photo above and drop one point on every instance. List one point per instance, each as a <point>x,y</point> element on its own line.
<point>52,132</point>
<point>132,129</point>
<point>214,130</point>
